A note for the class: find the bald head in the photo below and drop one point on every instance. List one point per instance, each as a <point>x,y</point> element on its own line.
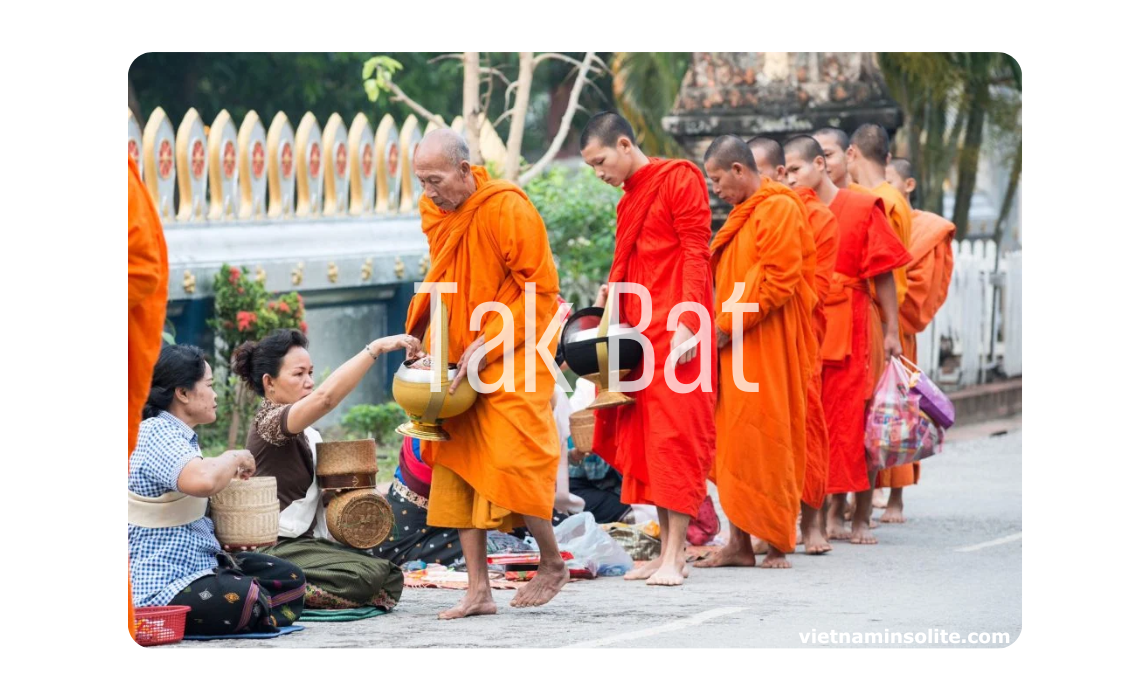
<point>807,148</point>
<point>900,174</point>
<point>441,164</point>
<point>838,136</point>
<point>806,166</point>
<point>872,142</point>
<point>902,167</point>
<point>606,128</point>
<point>834,143</point>
<point>445,143</point>
<point>727,150</point>
<point>769,157</point>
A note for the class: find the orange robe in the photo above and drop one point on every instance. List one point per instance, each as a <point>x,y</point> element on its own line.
<point>146,309</point>
<point>825,232</point>
<point>663,442</point>
<point>868,247</point>
<point>761,451</point>
<point>502,459</point>
<point>928,281</point>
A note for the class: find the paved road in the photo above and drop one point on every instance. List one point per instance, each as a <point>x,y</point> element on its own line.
<point>941,570</point>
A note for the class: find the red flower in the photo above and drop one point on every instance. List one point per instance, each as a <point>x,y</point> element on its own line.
<point>283,307</point>
<point>304,327</point>
<point>235,275</point>
<point>300,300</point>
<point>245,319</point>
<point>241,290</point>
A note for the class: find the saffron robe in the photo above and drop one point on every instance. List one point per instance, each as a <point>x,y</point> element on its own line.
<point>868,247</point>
<point>663,442</point>
<point>761,451</point>
<point>825,232</point>
<point>928,281</point>
<point>146,309</point>
<point>502,459</point>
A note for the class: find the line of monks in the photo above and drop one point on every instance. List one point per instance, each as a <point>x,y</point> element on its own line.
<point>842,275</point>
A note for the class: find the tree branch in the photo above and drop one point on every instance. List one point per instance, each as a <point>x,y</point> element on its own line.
<point>472,116</point>
<point>399,95</point>
<point>564,127</point>
<point>518,119</point>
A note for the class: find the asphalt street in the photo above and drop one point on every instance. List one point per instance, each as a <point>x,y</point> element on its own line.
<point>955,566</point>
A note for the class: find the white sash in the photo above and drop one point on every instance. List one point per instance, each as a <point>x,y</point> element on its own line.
<point>170,510</point>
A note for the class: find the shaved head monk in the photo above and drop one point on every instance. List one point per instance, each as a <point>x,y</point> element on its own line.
<point>834,143</point>
<point>857,335</point>
<point>928,279</point>
<point>499,469</point>
<point>825,230</point>
<point>663,442</point>
<point>761,450</point>
<point>769,156</point>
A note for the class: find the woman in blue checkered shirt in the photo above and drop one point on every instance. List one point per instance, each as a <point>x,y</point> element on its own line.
<point>175,557</point>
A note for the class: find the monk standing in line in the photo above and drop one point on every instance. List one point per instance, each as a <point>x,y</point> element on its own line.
<point>761,452</point>
<point>771,162</point>
<point>928,280</point>
<point>499,469</point>
<point>868,252</point>
<point>147,276</point>
<point>663,442</point>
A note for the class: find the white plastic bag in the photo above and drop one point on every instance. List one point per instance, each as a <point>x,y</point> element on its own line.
<point>581,536</point>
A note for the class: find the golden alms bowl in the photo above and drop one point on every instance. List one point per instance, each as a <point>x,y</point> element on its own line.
<point>411,389</point>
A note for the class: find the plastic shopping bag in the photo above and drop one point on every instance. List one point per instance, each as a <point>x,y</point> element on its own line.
<point>581,535</point>
<point>898,431</point>
<point>931,398</point>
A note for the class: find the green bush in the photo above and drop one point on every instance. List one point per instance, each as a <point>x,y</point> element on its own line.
<point>580,212</point>
<point>375,421</point>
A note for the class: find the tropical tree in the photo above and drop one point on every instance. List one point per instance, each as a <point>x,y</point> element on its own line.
<point>645,85</point>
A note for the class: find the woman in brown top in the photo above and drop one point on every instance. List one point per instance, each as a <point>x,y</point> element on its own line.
<point>282,441</point>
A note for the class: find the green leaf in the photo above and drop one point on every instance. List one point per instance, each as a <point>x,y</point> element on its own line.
<point>371,88</point>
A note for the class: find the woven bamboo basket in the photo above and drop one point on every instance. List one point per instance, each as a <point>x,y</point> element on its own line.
<point>346,464</point>
<point>582,430</point>
<point>246,513</point>
<point>360,518</point>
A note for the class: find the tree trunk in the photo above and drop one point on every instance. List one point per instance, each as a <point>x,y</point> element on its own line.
<point>999,232</point>
<point>933,172</point>
<point>133,101</point>
<point>571,109</point>
<point>968,158</point>
<point>518,116</point>
<point>472,109</point>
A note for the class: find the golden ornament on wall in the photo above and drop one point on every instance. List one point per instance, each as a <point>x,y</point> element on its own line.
<point>366,270</point>
<point>189,282</point>
<point>399,268</point>
<point>333,272</point>
<point>298,274</point>
<point>260,274</point>
<point>425,263</point>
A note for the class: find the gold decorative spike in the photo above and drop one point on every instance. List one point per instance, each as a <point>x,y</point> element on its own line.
<point>333,272</point>
<point>366,270</point>
<point>189,282</point>
<point>399,268</point>
<point>425,263</point>
<point>298,274</point>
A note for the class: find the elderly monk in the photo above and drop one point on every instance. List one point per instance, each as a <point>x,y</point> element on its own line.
<point>663,442</point>
<point>928,279</point>
<point>770,160</point>
<point>761,451</point>
<point>868,252</point>
<point>146,309</point>
<point>499,469</point>
<point>834,143</point>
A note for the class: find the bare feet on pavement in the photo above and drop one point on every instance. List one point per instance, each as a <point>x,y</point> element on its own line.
<point>541,589</point>
<point>473,604</point>
<point>671,573</point>
<point>775,560</point>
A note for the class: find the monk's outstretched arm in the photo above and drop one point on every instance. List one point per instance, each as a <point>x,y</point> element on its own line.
<point>526,251</point>
<point>771,282</point>
<point>692,221</point>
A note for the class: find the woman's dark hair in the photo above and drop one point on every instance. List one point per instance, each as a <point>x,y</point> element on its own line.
<point>178,366</point>
<point>252,360</point>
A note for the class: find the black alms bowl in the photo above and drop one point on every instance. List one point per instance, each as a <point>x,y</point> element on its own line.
<point>579,343</point>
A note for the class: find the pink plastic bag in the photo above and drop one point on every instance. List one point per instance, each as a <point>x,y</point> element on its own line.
<point>898,431</point>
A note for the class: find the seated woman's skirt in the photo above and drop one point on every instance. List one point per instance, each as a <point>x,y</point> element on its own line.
<point>248,593</point>
<point>411,538</point>
<point>340,577</point>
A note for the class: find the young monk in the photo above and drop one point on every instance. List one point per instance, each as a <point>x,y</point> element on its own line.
<point>771,162</point>
<point>146,310</point>
<point>499,469</point>
<point>761,452</point>
<point>868,251</point>
<point>928,279</point>
<point>663,442</point>
<point>834,143</point>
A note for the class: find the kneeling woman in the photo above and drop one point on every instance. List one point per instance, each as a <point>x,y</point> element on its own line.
<point>283,443</point>
<point>174,555</point>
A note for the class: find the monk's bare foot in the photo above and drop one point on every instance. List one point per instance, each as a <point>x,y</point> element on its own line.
<point>473,603</point>
<point>874,524</point>
<point>837,530</point>
<point>547,581</point>
<point>731,555</point>
<point>815,543</point>
<point>861,535</point>
<point>879,499</point>
<point>775,560</point>
<point>640,573</point>
<point>670,574</point>
<point>894,512</point>
<point>759,546</point>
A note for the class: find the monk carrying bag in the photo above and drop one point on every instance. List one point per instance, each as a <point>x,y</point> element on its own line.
<point>898,431</point>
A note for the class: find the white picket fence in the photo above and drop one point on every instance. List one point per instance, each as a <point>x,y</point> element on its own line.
<point>957,344</point>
